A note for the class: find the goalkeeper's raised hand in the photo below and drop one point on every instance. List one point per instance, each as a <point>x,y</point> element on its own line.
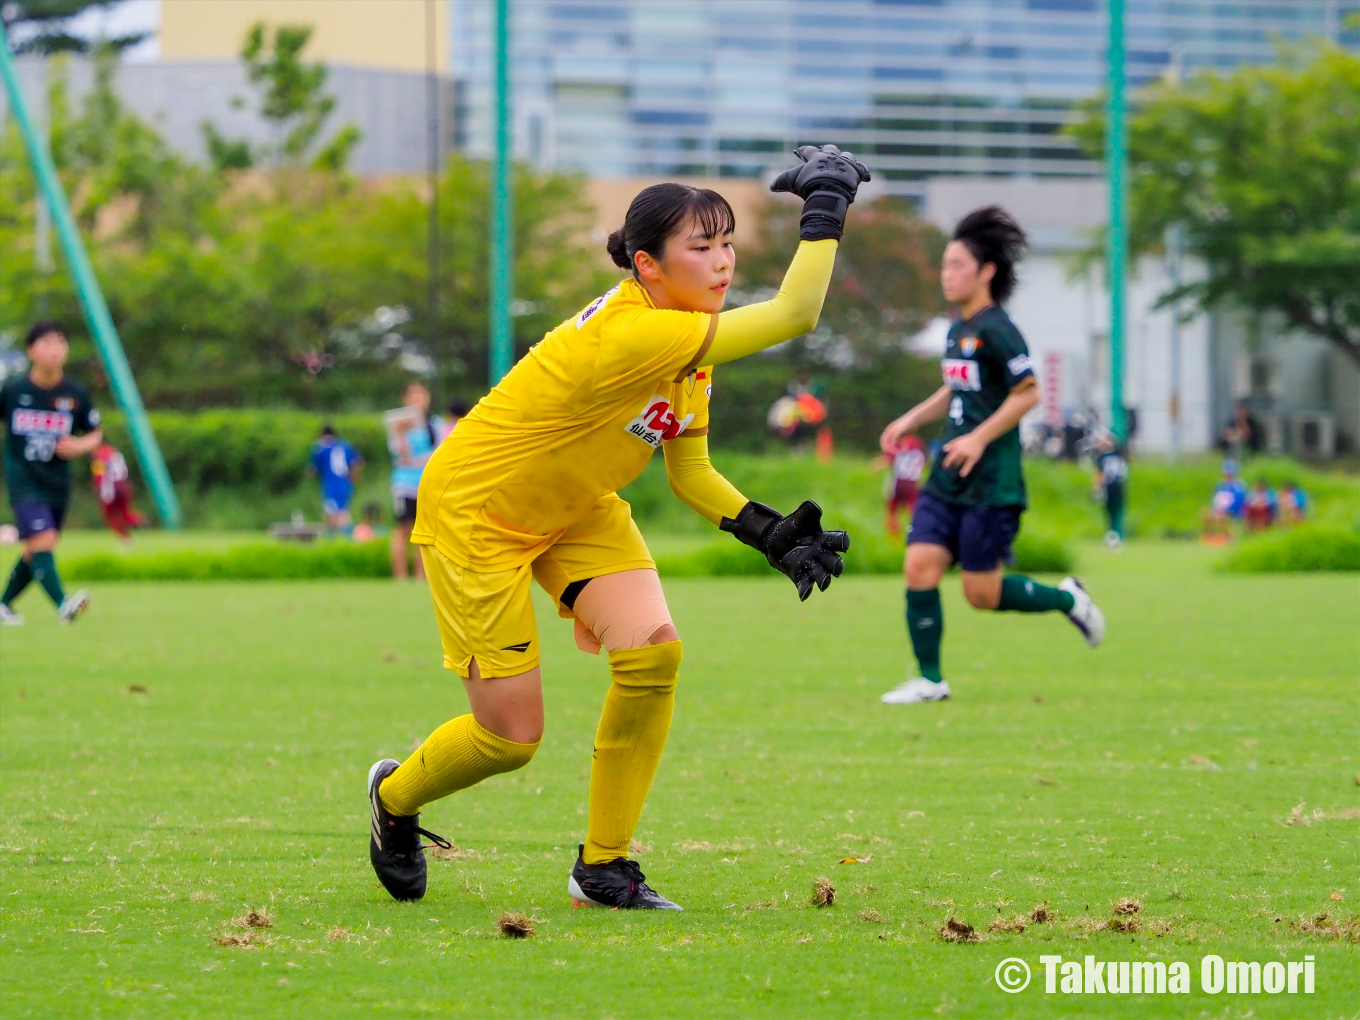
<point>795,545</point>
<point>826,182</point>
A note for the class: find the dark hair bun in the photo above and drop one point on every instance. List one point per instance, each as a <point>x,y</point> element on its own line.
<point>618,250</point>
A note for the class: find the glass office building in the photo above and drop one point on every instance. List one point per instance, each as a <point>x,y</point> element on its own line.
<point>925,87</point>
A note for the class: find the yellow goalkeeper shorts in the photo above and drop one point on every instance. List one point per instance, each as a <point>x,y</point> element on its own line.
<point>489,616</point>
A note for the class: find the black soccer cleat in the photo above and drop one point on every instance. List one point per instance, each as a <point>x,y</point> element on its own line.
<point>619,884</point>
<point>394,844</point>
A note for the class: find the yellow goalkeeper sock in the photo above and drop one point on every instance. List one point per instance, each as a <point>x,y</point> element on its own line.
<point>628,745</point>
<point>455,756</point>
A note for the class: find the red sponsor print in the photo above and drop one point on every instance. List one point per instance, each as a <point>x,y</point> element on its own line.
<point>30,422</point>
<point>657,422</point>
<point>960,374</point>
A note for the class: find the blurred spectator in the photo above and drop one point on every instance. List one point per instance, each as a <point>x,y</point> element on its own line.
<point>1073,435</point>
<point>1226,504</point>
<point>458,410</point>
<point>337,464</point>
<point>1243,434</point>
<point>371,526</point>
<point>800,414</point>
<point>412,435</point>
<point>1260,508</point>
<point>109,475</point>
<point>1293,505</point>
<point>1112,475</point>
<point>907,465</point>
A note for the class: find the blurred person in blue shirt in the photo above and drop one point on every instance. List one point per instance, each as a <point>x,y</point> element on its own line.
<point>337,464</point>
<point>412,437</point>
<point>1226,504</point>
<point>1293,504</point>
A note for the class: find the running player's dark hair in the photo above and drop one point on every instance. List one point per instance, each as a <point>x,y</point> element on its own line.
<point>992,235</point>
<point>328,429</point>
<point>39,330</point>
<point>657,212</point>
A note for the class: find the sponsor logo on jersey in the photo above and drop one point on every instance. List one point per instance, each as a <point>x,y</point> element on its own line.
<point>968,345</point>
<point>25,399</point>
<point>40,423</point>
<point>65,403</point>
<point>594,307</point>
<point>657,422</point>
<point>1019,365</point>
<point>960,374</point>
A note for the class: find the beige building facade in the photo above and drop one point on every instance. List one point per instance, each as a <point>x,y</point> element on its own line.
<point>390,35</point>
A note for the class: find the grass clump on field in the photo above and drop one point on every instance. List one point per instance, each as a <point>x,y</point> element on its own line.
<point>1308,548</point>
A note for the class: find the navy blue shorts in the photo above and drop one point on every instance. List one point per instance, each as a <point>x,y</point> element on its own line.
<point>978,537</point>
<point>33,518</point>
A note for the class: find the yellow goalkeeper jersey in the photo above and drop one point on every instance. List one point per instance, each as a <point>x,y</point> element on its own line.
<point>576,419</point>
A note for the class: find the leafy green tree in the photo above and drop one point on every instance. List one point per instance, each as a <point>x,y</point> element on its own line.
<point>292,99</point>
<point>1260,171</point>
<point>885,288</point>
<point>284,287</point>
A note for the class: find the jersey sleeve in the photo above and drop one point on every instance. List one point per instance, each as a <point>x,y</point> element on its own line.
<point>699,391</point>
<point>651,343</point>
<point>87,415</point>
<point>1011,348</point>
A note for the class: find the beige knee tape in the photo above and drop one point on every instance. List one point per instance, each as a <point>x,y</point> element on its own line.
<point>620,610</point>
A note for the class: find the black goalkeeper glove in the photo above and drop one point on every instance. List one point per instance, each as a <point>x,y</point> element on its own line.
<point>826,182</point>
<point>795,545</point>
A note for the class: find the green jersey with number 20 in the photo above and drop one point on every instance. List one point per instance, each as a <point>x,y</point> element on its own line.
<point>35,419</point>
<point>985,359</point>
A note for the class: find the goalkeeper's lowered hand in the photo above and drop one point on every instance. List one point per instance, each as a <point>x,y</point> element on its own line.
<point>795,545</point>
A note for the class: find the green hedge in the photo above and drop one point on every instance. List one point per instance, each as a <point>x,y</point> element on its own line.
<point>256,562</point>
<point>339,558</point>
<point>242,470</point>
<point>872,554</point>
<point>1313,547</point>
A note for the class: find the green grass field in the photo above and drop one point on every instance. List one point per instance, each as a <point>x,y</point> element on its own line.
<point>188,752</point>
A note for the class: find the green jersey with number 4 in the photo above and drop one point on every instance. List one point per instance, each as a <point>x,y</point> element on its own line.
<point>985,359</point>
<point>36,419</point>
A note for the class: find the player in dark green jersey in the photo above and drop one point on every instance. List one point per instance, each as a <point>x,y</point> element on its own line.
<point>49,420</point>
<point>970,510</point>
<point>1112,475</point>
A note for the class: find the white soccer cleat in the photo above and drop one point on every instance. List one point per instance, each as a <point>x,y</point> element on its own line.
<point>916,691</point>
<point>9,618</point>
<point>73,605</point>
<point>1084,615</point>
<point>1113,542</point>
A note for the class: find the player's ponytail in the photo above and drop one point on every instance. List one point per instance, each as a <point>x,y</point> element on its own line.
<point>992,235</point>
<point>658,212</point>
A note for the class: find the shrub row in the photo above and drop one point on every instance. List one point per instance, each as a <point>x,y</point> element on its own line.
<point>1315,547</point>
<point>341,559</point>
<point>255,562</point>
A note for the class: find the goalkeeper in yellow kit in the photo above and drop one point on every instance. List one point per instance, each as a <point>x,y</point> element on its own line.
<point>526,488</point>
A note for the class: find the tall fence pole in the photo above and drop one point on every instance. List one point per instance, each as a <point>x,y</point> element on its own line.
<point>1115,158</point>
<point>92,300</point>
<point>433,154</point>
<point>502,255</point>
